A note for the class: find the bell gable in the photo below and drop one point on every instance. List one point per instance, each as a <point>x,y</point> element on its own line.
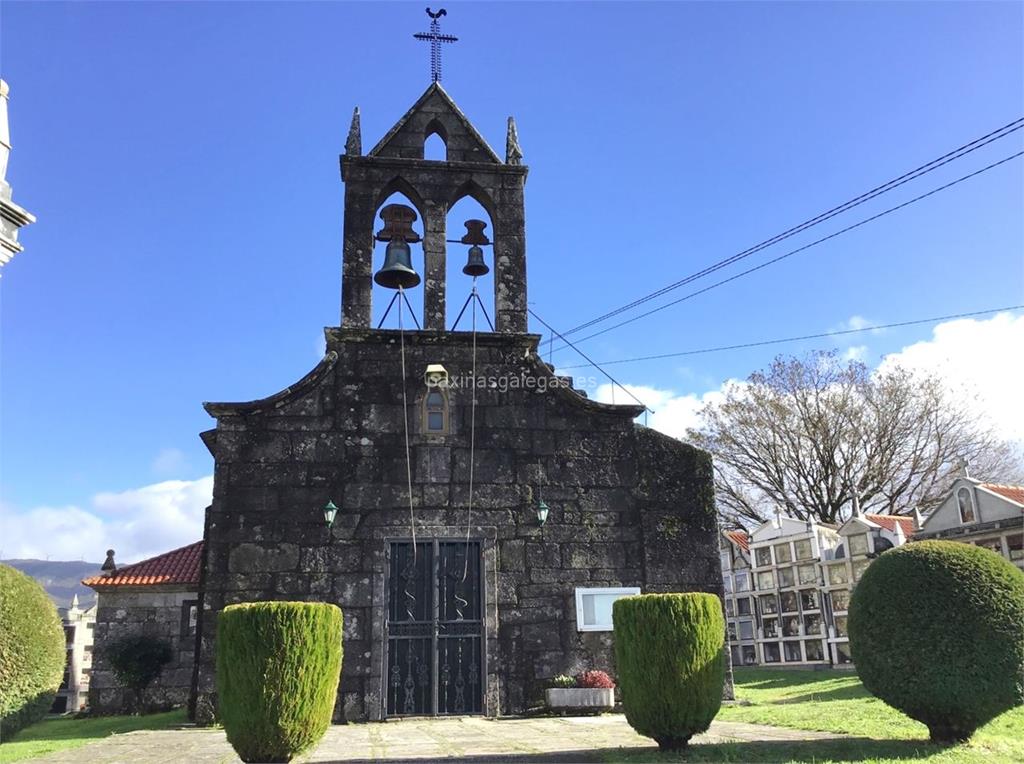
<point>435,113</point>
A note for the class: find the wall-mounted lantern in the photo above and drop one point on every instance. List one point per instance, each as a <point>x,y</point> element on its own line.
<point>542,512</point>
<point>542,508</point>
<point>329,513</point>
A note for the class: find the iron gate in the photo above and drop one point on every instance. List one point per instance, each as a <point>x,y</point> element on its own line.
<point>434,628</point>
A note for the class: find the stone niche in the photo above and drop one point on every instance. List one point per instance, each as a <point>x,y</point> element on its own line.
<point>629,506</point>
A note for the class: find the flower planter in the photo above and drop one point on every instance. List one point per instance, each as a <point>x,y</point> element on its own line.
<point>580,697</point>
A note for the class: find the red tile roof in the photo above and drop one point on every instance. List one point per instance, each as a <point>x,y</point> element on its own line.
<point>740,539</point>
<point>178,567</point>
<point>1011,492</point>
<point>889,523</point>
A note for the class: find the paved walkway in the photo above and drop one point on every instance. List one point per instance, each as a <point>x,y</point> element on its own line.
<point>468,739</point>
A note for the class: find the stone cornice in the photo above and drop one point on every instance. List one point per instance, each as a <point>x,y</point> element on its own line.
<point>399,163</point>
<point>276,400</point>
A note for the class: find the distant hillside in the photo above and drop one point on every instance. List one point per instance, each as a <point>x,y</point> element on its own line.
<point>62,580</point>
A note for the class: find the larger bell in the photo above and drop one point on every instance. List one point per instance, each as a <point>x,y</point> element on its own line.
<point>475,265</point>
<point>397,271</point>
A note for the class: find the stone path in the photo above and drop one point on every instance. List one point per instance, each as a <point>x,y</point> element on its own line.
<point>468,739</point>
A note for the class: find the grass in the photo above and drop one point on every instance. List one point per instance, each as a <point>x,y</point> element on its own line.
<point>834,701</point>
<point>61,734</point>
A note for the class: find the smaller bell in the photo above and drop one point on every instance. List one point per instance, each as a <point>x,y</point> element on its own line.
<point>397,271</point>
<point>475,265</point>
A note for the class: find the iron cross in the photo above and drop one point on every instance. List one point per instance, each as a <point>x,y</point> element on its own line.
<point>436,38</point>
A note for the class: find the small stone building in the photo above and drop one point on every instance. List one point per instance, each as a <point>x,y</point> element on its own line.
<point>157,597</point>
<point>488,513</point>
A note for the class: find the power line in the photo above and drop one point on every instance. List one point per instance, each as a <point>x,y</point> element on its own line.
<point>945,159</point>
<point>591,361</point>
<point>820,335</point>
<point>792,252</point>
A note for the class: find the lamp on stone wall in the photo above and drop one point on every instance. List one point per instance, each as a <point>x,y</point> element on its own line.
<point>329,513</point>
<point>542,508</point>
<point>542,512</point>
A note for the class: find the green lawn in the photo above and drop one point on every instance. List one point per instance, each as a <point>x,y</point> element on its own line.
<point>833,701</point>
<point>63,733</point>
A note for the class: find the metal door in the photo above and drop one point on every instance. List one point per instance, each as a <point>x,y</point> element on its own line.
<point>434,628</point>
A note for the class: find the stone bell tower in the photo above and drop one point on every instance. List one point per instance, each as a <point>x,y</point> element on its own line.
<point>471,169</point>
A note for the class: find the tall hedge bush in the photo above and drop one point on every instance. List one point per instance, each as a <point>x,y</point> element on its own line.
<point>669,653</point>
<point>278,666</point>
<point>32,653</point>
<point>937,631</point>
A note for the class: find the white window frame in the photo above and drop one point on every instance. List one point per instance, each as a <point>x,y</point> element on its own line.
<point>581,592</point>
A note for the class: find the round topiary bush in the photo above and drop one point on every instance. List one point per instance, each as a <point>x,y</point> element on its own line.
<point>32,652</point>
<point>278,666</point>
<point>670,659</point>
<point>937,631</point>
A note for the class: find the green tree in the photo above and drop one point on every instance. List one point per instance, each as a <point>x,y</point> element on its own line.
<point>278,667</point>
<point>137,661</point>
<point>670,659</point>
<point>937,631</point>
<point>32,652</point>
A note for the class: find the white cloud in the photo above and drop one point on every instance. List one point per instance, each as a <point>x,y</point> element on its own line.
<point>981,359</point>
<point>673,413</point>
<point>169,461</point>
<point>855,353</point>
<point>137,523</point>
<point>857,323</point>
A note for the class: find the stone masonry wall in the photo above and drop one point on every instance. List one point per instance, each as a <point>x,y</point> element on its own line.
<point>152,611</point>
<point>629,506</point>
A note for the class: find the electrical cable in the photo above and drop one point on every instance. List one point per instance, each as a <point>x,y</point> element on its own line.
<point>794,251</point>
<point>761,343</point>
<point>945,159</point>
<point>592,363</point>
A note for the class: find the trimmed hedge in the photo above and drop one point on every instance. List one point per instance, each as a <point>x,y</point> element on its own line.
<point>670,656</point>
<point>278,666</point>
<point>937,632</point>
<point>32,653</point>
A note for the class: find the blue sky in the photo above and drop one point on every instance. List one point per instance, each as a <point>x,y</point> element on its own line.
<point>182,160</point>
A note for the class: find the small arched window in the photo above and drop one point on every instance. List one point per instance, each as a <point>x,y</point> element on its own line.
<point>966,504</point>
<point>435,142</point>
<point>435,412</point>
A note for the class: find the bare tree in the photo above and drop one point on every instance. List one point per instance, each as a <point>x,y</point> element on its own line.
<point>806,435</point>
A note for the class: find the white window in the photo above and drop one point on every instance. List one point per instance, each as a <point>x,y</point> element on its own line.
<point>594,606</point>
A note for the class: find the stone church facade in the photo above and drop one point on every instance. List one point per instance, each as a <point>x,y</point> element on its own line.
<point>487,605</point>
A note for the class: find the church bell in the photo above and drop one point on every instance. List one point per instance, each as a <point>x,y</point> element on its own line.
<point>397,271</point>
<point>475,236</point>
<point>475,265</point>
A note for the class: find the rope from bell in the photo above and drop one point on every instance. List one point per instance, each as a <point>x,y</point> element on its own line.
<point>472,447</point>
<point>405,419</point>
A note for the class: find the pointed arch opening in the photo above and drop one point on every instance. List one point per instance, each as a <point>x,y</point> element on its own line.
<point>435,142</point>
<point>398,191</point>
<point>468,204</point>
